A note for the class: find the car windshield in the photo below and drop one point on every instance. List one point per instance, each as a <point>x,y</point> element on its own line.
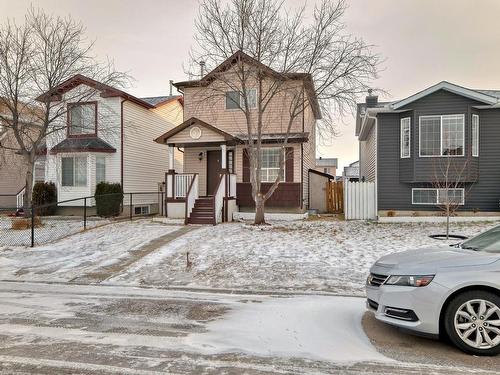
<point>488,241</point>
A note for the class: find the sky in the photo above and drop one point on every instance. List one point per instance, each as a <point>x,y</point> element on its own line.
<point>423,42</point>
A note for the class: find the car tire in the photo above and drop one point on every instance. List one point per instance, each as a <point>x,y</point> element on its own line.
<point>467,324</point>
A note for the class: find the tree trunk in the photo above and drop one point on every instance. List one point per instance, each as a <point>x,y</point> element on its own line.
<point>447,222</point>
<point>29,188</point>
<point>259,210</point>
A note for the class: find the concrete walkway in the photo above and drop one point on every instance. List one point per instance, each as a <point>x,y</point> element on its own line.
<point>105,273</point>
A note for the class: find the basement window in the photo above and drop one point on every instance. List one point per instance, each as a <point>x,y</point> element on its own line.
<point>141,210</point>
<point>432,196</point>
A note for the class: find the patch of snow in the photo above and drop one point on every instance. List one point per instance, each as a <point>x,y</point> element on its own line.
<point>437,219</point>
<point>329,256</point>
<point>313,327</point>
<point>79,254</point>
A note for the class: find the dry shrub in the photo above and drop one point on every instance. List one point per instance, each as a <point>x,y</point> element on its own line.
<point>391,213</point>
<point>25,223</point>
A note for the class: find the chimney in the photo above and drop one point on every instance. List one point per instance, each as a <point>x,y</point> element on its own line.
<point>202,68</point>
<point>371,100</point>
<point>171,85</point>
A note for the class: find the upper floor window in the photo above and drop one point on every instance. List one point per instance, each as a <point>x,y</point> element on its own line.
<point>475,135</point>
<point>442,135</point>
<point>74,171</point>
<point>234,99</point>
<point>405,137</point>
<point>82,119</point>
<point>270,163</point>
<point>100,169</point>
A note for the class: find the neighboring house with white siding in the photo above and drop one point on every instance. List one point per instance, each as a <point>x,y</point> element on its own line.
<point>108,137</point>
<point>213,137</point>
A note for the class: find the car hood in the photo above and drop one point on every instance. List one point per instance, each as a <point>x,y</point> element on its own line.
<point>429,260</point>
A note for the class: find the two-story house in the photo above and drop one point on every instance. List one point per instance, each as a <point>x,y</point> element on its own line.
<point>108,136</point>
<point>436,146</point>
<point>214,137</point>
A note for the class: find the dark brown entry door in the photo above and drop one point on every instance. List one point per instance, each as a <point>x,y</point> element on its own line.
<point>213,170</point>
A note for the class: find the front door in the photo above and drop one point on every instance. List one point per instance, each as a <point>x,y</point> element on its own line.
<point>213,170</point>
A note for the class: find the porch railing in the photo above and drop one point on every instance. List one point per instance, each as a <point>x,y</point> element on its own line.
<point>20,198</point>
<point>219,199</point>
<point>231,191</point>
<point>182,183</point>
<point>191,197</point>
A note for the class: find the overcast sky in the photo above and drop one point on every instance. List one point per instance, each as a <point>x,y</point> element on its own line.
<point>423,41</point>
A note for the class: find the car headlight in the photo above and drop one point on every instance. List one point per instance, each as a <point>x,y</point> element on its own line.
<point>420,280</point>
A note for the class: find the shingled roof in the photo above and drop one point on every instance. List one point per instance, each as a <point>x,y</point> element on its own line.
<point>91,144</point>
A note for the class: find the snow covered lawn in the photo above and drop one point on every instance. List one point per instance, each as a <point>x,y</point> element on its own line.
<point>332,256</point>
<point>79,254</point>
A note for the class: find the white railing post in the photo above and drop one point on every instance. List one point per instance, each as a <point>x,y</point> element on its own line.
<point>20,198</point>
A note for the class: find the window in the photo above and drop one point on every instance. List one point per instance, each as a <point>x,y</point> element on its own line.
<point>141,210</point>
<point>100,169</point>
<point>270,161</point>
<point>230,161</point>
<point>236,101</point>
<point>405,137</point>
<point>39,173</point>
<point>442,135</point>
<point>74,171</point>
<point>437,196</point>
<point>82,119</point>
<point>475,135</point>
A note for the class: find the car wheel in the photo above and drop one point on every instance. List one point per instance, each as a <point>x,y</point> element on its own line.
<point>472,322</point>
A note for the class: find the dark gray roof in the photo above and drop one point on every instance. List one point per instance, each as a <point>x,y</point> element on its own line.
<point>495,93</point>
<point>277,137</point>
<point>155,100</point>
<point>91,144</point>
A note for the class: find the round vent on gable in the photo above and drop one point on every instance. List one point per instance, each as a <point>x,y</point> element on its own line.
<point>195,132</point>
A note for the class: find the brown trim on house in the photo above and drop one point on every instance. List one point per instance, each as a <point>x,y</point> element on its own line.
<point>86,149</point>
<point>106,91</point>
<point>287,194</point>
<point>289,164</point>
<point>68,120</point>
<point>204,144</point>
<point>176,200</point>
<point>245,166</point>
<point>194,121</point>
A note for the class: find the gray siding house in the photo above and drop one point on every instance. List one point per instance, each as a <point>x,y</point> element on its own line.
<point>445,135</point>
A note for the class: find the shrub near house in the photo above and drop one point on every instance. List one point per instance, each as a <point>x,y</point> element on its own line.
<point>108,198</point>
<point>45,193</point>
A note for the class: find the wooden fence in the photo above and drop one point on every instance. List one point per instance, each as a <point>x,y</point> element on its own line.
<point>335,197</point>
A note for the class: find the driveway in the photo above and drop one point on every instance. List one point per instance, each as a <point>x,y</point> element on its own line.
<point>88,329</point>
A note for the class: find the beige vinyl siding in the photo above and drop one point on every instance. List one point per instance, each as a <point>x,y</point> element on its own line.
<point>368,156</point>
<point>309,152</point>
<point>12,172</point>
<point>171,111</point>
<point>192,164</point>
<point>144,161</point>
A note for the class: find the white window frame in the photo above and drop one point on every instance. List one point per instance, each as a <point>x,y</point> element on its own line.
<point>475,135</point>
<point>240,103</point>
<point>262,169</point>
<point>405,121</point>
<point>74,171</point>
<point>437,196</point>
<point>144,210</point>
<point>441,136</point>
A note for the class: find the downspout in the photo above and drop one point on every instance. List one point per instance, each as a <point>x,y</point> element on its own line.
<point>121,141</point>
<point>302,158</point>
<point>375,124</point>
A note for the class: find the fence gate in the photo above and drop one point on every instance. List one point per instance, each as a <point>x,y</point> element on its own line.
<point>335,197</point>
<point>359,200</point>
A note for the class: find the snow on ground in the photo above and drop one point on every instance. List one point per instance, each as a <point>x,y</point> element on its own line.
<point>332,256</point>
<point>313,327</point>
<point>79,254</point>
<point>52,229</point>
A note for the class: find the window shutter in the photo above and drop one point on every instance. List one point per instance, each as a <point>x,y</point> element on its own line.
<point>289,164</point>
<point>246,166</point>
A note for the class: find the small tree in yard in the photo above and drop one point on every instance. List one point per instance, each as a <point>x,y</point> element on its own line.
<point>289,61</point>
<point>35,58</point>
<point>451,175</point>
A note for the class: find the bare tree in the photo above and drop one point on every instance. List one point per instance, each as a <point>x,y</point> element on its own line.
<point>452,178</point>
<point>36,57</point>
<point>295,65</point>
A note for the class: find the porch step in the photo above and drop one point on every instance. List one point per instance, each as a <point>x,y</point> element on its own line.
<point>203,211</point>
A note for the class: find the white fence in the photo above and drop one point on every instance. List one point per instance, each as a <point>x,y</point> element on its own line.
<point>360,200</point>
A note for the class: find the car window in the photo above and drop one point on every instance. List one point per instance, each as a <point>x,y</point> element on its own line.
<point>488,241</point>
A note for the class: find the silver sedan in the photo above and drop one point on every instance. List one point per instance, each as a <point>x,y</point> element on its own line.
<point>451,291</point>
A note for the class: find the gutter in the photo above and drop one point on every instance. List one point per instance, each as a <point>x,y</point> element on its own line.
<point>375,124</point>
